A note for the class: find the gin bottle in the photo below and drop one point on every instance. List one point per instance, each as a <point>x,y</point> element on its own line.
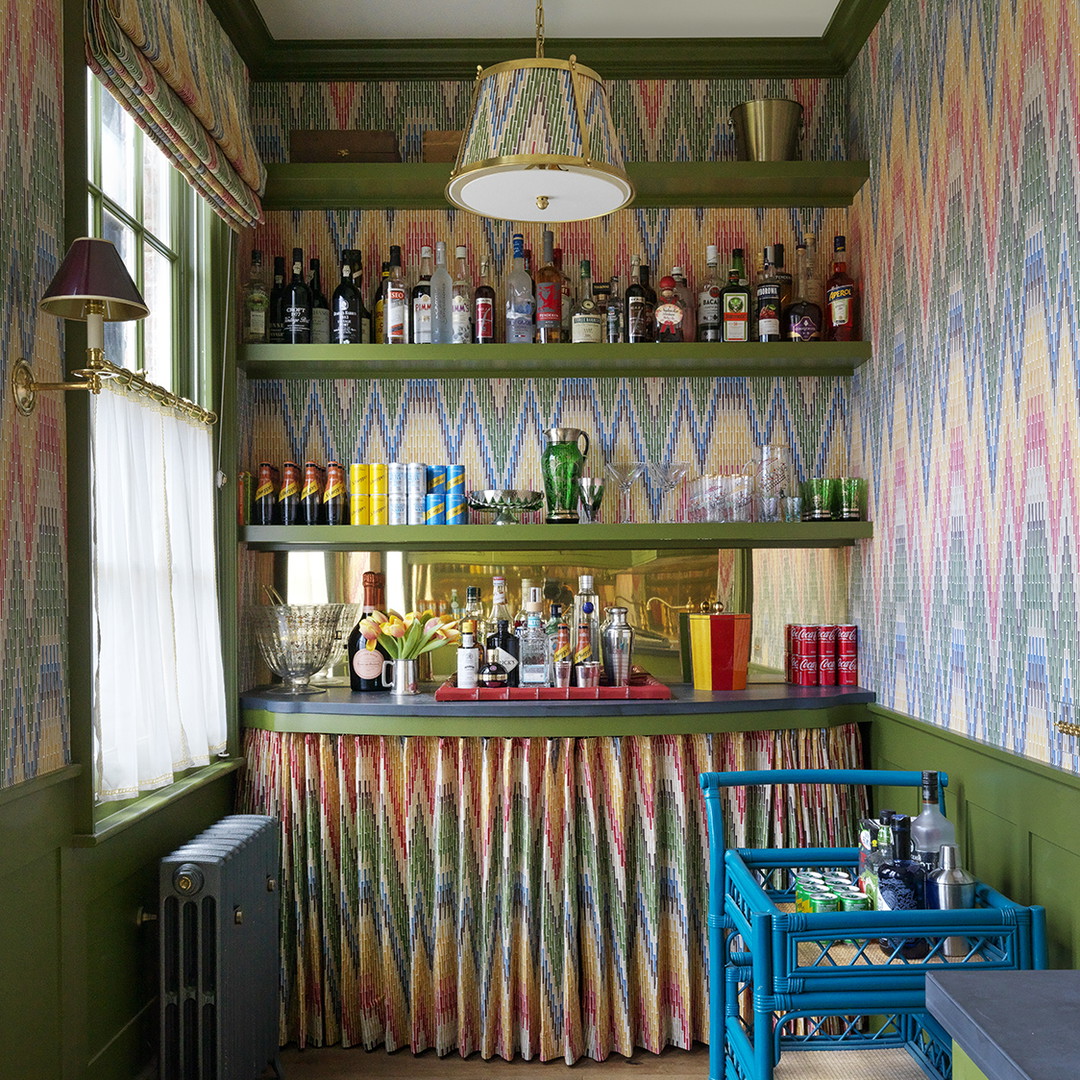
<point>461,314</point>
<point>585,322</point>
<point>532,647</point>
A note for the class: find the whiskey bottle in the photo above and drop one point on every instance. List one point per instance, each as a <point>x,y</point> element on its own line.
<point>421,301</point>
<point>585,320</point>
<point>708,312</point>
<point>803,317</point>
<point>841,298</point>
<point>735,308</point>
<point>256,301</point>
<point>484,307</point>
<point>549,295</point>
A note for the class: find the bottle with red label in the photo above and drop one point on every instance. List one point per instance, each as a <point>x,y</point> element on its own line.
<point>484,307</point>
<point>841,298</point>
<point>396,302</point>
<point>670,312</point>
<point>549,295</point>
<point>735,303</point>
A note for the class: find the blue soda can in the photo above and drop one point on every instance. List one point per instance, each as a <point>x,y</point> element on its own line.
<point>416,478</point>
<point>455,479</point>
<point>436,479</point>
<point>435,509</point>
<point>457,512</point>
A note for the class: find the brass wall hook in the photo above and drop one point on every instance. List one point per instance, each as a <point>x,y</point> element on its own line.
<point>24,387</point>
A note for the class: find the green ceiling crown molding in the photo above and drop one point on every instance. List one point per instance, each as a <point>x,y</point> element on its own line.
<point>616,58</point>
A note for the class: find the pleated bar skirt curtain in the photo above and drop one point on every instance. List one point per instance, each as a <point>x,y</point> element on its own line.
<point>529,896</point>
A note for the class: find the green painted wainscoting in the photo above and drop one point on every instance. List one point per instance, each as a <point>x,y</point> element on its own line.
<point>1015,817</point>
<point>78,974</point>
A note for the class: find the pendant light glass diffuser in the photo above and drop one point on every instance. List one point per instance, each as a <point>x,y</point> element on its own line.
<point>540,145</point>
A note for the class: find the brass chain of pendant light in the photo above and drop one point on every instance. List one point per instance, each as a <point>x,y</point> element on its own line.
<point>539,29</point>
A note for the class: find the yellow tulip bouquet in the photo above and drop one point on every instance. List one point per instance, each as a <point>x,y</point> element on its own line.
<point>405,637</point>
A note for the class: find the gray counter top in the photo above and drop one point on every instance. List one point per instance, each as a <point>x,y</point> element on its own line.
<point>761,705</point>
<point>1014,1025</point>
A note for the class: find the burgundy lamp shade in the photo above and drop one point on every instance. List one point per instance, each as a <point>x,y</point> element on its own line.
<point>93,270</point>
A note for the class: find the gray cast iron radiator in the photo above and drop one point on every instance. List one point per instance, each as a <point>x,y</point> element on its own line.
<point>220,968</point>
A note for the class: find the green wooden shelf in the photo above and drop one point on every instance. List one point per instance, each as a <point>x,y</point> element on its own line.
<point>839,358</point>
<point>421,185</point>
<point>473,539</point>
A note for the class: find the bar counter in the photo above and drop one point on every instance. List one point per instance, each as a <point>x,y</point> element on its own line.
<point>522,878</point>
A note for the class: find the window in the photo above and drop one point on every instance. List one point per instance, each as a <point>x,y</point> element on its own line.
<point>161,228</point>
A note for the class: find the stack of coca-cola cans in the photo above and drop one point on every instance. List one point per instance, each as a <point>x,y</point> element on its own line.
<point>822,655</point>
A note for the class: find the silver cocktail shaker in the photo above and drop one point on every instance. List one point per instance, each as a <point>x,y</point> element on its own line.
<point>951,888</point>
<point>616,646</point>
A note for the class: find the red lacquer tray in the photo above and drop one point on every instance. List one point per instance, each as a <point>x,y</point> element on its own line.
<point>643,688</point>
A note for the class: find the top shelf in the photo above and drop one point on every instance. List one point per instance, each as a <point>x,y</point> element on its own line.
<point>421,186</point>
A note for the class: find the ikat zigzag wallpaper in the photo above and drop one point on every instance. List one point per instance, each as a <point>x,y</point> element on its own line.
<point>33,588</point>
<point>967,419</point>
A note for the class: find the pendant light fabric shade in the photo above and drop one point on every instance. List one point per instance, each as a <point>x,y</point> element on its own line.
<point>540,145</point>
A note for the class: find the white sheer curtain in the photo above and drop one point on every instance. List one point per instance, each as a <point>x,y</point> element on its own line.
<point>159,690</point>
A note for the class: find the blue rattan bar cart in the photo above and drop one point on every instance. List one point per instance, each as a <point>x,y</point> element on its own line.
<point>834,980</point>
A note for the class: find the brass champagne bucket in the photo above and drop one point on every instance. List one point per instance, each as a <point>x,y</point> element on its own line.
<point>767,129</point>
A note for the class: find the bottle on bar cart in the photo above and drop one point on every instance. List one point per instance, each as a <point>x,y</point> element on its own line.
<point>931,830</point>
<point>493,675</point>
<point>507,650</point>
<point>532,647</point>
<point>468,657</point>
<point>586,619</point>
<point>474,612</point>
<point>521,616</point>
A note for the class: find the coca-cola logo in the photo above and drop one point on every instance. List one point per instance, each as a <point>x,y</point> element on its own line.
<point>848,663</point>
<point>805,663</point>
<point>804,633</point>
<point>848,633</point>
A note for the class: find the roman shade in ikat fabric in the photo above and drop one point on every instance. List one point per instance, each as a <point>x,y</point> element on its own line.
<point>175,70</point>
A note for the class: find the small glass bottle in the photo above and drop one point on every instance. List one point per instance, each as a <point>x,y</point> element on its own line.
<point>585,321</point>
<point>421,301</point>
<point>493,676</point>
<point>484,306</point>
<point>455,606</point>
<point>520,301</point>
<point>669,313</point>
<point>256,302</point>
<point>461,304</point>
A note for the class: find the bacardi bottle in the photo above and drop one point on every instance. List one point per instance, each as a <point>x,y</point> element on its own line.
<point>708,314</point>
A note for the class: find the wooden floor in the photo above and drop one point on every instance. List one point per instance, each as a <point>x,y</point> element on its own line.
<point>334,1063</point>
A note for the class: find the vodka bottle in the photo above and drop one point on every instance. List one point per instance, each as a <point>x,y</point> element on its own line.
<point>931,829</point>
<point>442,299</point>
<point>421,301</point>
<point>532,647</point>
<point>520,302</point>
<point>587,617</point>
<point>256,301</point>
<point>461,313</point>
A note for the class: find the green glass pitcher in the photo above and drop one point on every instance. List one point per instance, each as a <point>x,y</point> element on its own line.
<point>562,464</point>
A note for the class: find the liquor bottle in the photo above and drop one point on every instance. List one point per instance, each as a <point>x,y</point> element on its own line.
<point>901,883</point>
<point>585,320</point>
<point>311,494</point>
<point>708,312</point>
<point>601,291</point>
<point>639,309</point>
<point>532,647</point>
<point>669,313</point>
<point>366,665</point>
<point>738,260</point>
<point>567,292</point>
<point>507,650</point>
<point>484,306</point>
<point>734,308</point>
<point>320,309</point>
<point>586,617</point>
<point>783,276</point>
<point>396,302</point>
<point>802,320</point>
<point>767,300</point>
<point>521,616</point>
<point>358,280</point>
<point>879,846</point>
<point>378,306</point>
<point>468,657</point>
<point>520,302</point>
<point>461,305</point>
<point>474,611</point>
<point>931,830</point>
<point>345,306</point>
<point>690,302</point>
<point>297,326</point>
<point>455,605</point>
<point>562,659</point>
<point>333,511</point>
<point>499,607</point>
<point>421,301</point>
<point>841,298</point>
<point>549,296</point>
<point>275,330</point>
<point>615,327</point>
<point>493,675</point>
<point>551,628</point>
<point>812,279</point>
<point>442,299</point>
<point>256,302</point>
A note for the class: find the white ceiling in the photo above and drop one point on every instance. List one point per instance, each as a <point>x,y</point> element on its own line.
<point>345,20</point>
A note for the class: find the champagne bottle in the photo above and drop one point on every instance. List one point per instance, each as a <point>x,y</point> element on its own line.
<point>366,665</point>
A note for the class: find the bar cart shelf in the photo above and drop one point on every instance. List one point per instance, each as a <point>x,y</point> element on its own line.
<point>782,981</point>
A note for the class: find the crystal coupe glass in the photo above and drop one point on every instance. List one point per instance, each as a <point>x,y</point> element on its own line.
<point>623,474</point>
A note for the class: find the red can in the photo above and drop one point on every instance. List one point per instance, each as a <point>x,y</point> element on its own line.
<point>802,632</point>
<point>847,640</point>
<point>827,670</point>
<point>847,670</point>
<point>805,670</point>
<point>789,651</point>
<point>806,641</point>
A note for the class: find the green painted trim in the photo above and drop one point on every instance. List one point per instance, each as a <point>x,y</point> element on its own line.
<point>578,725</point>
<point>503,538</point>
<point>39,783</point>
<point>963,1068</point>
<point>849,29</point>
<point>795,359</point>
<point>151,803</point>
<point>422,185</point>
